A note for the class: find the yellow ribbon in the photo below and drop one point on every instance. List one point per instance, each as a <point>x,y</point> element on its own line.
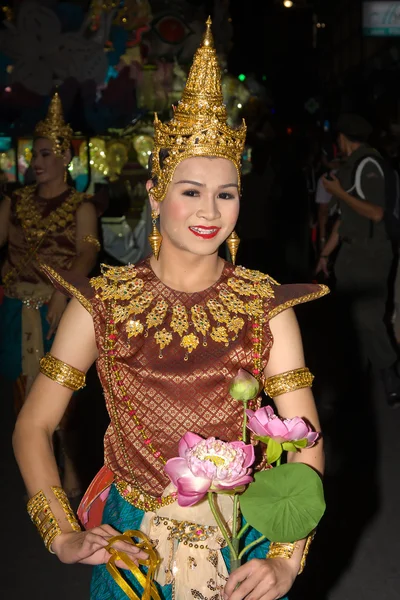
<point>152,562</point>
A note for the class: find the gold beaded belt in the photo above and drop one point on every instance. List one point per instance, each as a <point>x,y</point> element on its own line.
<point>140,499</point>
<point>190,534</point>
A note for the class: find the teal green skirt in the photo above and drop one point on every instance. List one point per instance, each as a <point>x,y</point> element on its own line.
<point>11,337</point>
<point>123,516</point>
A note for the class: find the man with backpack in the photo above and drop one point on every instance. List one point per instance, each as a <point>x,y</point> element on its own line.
<point>366,189</point>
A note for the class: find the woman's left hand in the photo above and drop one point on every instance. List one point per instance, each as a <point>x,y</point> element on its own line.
<point>261,579</point>
<point>56,307</point>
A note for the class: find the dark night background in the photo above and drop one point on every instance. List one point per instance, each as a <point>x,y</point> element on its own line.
<point>312,51</point>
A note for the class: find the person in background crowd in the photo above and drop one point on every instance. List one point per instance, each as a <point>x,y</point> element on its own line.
<point>365,258</point>
<point>47,223</point>
<point>325,210</point>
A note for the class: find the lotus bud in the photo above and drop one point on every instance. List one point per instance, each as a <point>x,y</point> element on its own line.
<point>244,386</point>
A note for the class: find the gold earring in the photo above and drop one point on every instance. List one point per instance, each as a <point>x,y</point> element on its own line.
<point>155,238</point>
<point>65,175</point>
<point>233,242</point>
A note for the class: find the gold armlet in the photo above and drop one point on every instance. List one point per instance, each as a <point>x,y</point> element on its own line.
<point>286,550</point>
<point>62,373</point>
<point>90,239</point>
<point>42,516</point>
<point>288,382</point>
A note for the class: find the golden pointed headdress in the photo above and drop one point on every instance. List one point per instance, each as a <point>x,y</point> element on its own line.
<point>199,126</point>
<point>54,127</point>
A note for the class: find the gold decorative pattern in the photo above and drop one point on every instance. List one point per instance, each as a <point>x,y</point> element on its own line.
<point>253,275</point>
<point>35,226</point>
<point>217,319</point>
<point>72,291</point>
<point>91,239</point>
<point>241,287</point>
<point>286,550</point>
<point>236,324</point>
<point>220,314</point>
<point>220,334</point>
<point>125,273</point>
<point>200,320</point>
<point>281,550</point>
<point>287,382</point>
<point>140,499</point>
<point>43,518</point>
<point>179,321</point>
<point>61,373</point>
<point>69,513</point>
<point>157,314</point>
<point>163,338</point>
<point>54,127</point>
<point>134,328</point>
<point>232,302</point>
<point>306,551</point>
<point>190,342</point>
<point>323,291</point>
<point>199,126</point>
<point>132,492</point>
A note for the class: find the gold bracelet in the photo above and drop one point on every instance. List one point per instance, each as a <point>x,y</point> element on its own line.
<point>281,550</point>
<point>305,552</point>
<point>288,382</point>
<point>90,239</point>
<point>62,373</point>
<point>286,550</point>
<point>42,516</point>
<point>69,513</point>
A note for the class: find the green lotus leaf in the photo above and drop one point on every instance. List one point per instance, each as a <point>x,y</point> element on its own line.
<point>285,503</point>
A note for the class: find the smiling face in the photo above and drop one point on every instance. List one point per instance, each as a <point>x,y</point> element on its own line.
<point>47,166</point>
<point>201,206</point>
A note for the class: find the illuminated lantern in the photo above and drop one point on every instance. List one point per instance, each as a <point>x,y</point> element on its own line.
<point>143,145</point>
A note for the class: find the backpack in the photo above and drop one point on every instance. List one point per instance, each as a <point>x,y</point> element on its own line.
<point>392,192</point>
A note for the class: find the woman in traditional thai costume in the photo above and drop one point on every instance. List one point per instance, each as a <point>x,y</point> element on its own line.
<point>169,335</point>
<point>48,222</point>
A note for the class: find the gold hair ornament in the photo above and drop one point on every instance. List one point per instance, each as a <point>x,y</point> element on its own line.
<point>62,373</point>
<point>199,126</point>
<point>290,381</point>
<point>54,127</point>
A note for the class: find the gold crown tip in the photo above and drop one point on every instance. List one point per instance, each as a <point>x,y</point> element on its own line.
<point>208,40</point>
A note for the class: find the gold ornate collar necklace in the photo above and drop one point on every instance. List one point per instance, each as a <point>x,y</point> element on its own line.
<point>34,224</point>
<point>221,317</point>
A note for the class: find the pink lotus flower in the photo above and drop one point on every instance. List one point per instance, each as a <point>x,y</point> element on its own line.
<point>208,465</point>
<point>265,423</point>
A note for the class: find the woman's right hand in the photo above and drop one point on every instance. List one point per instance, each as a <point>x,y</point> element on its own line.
<point>322,266</point>
<point>89,547</point>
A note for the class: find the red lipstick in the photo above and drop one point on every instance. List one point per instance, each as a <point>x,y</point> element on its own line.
<point>207,233</point>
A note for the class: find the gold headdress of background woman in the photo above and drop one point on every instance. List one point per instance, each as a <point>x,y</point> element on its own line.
<point>199,126</point>
<point>54,127</point>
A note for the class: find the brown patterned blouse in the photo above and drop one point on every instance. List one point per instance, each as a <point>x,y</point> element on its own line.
<point>166,358</point>
<point>43,228</point>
